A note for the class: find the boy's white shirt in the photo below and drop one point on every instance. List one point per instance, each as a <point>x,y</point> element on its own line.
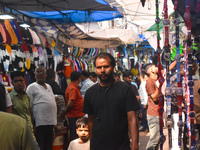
<point>74,145</point>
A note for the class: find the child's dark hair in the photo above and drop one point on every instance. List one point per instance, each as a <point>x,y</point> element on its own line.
<point>146,68</point>
<point>82,122</point>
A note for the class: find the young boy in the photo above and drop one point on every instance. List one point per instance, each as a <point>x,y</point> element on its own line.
<point>83,142</point>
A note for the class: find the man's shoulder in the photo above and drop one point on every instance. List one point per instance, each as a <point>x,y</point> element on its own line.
<point>89,82</point>
<point>122,84</point>
<point>32,85</point>
<point>94,87</point>
<point>13,93</point>
<point>12,118</point>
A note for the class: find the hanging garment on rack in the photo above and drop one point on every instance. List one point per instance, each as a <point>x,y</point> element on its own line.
<point>26,35</point>
<point>6,80</point>
<point>78,64</point>
<point>7,57</point>
<point>60,66</point>
<point>15,28</point>
<point>50,58</point>
<point>7,35</point>
<point>1,38</point>
<point>13,57</point>
<point>82,65</point>
<point>39,38</point>
<point>63,80</point>
<point>21,58</point>
<point>3,34</point>
<point>67,67</point>
<point>35,37</point>
<point>19,32</point>
<point>75,65</point>
<point>43,39</point>
<point>10,30</point>
<point>41,57</point>
<point>35,55</point>
<point>45,57</point>
<point>31,53</point>
<point>28,77</point>
<point>27,56</point>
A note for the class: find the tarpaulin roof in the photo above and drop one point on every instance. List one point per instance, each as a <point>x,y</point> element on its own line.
<point>62,11</point>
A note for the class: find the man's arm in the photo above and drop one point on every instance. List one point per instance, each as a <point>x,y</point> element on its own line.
<point>69,106</point>
<point>90,124</point>
<point>133,129</point>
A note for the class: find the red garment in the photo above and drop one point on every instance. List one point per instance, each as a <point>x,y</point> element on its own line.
<point>151,88</point>
<point>67,67</point>
<point>8,38</point>
<point>73,92</point>
<point>3,33</point>
<point>6,81</point>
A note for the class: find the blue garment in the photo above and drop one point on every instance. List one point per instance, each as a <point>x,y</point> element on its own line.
<point>14,26</point>
<point>28,78</point>
<point>154,130</point>
<point>86,84</point>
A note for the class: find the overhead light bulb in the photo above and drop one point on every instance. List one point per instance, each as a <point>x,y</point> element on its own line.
<point>25,25</point>
<point>6,16</point>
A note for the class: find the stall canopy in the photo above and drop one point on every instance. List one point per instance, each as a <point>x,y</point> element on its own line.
<point>60,19</point>
<point>62,11</point>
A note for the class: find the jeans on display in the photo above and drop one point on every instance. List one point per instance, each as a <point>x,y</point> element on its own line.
<point>154,130</point>
<point>144,117</point>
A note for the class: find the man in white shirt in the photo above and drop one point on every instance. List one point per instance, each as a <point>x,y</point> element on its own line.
<point>144,101</point>
<point>43,108</point>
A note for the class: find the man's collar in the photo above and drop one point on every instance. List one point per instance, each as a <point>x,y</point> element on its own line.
<point>15,92</point>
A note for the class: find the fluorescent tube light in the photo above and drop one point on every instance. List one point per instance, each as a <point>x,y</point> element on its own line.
<point>6,16</point>
<point>25,25</point>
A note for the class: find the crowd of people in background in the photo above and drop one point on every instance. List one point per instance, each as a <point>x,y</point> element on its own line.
<point>103,110</point>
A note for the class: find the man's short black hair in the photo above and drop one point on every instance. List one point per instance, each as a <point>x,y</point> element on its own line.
<point>105,56</point>
<point>93,74</point>
<point>75,75</point>
<point>82,122</point>
<point>50,73</point>
<point>85,73</point>
<point>127,73</point>
<point>16,74</point>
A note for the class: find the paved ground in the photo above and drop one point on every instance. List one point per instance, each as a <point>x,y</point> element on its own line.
<point>144,137</point>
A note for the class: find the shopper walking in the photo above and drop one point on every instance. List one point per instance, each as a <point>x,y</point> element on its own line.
<point>111,106</point>
<point>20,99</point>
<point>74,102</point>
<point>43,108</point>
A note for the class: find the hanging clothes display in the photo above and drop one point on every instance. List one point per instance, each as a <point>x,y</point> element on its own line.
<point>10,30</point>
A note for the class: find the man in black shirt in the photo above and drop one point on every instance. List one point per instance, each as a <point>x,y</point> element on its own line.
<point>111,107</point>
